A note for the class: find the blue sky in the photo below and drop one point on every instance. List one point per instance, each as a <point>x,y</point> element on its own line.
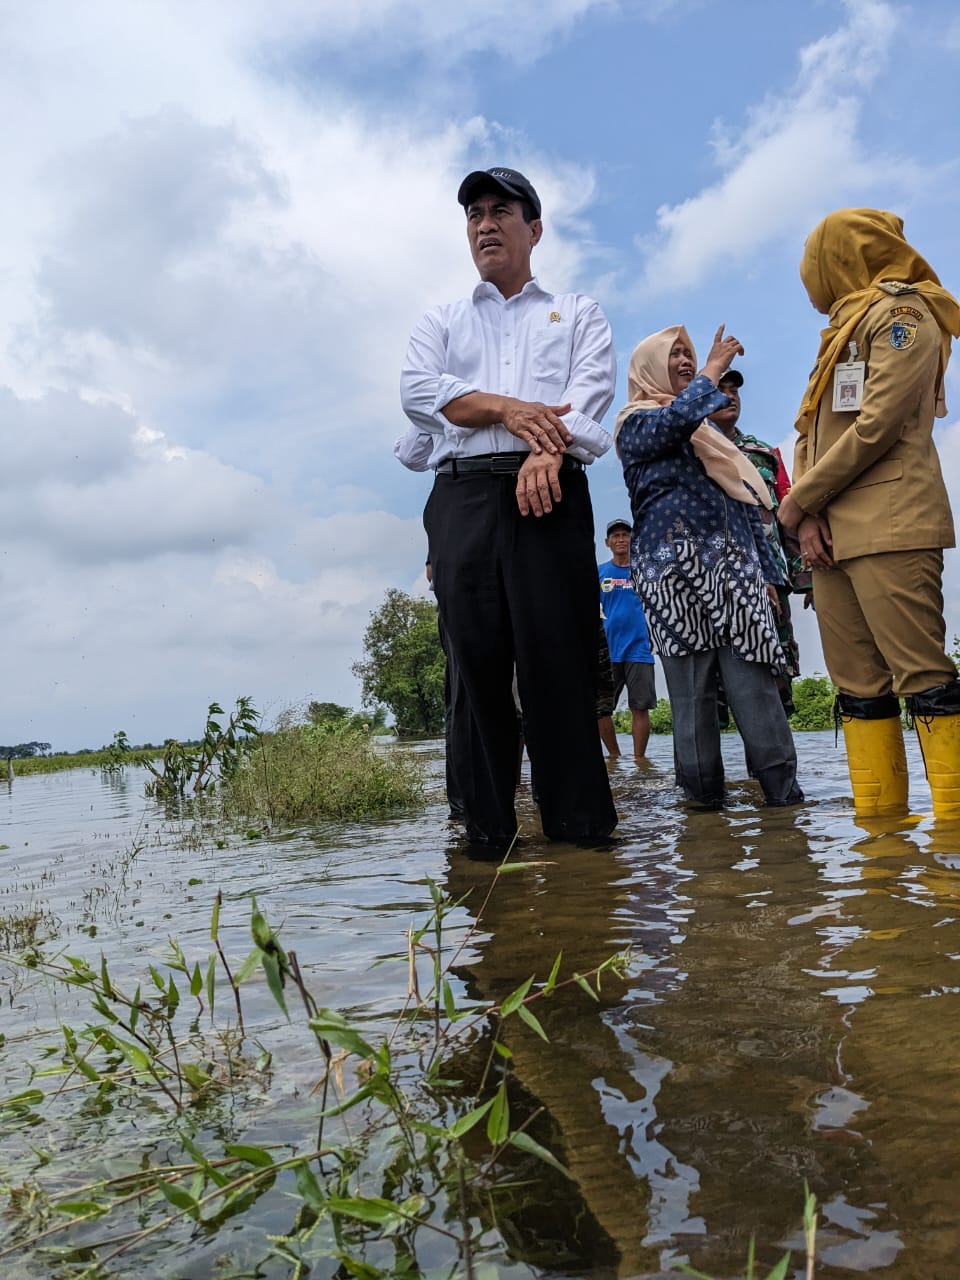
<point>220,223</point>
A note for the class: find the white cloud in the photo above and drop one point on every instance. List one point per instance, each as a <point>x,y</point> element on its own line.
<point>799,155</point>
<point>210,264</point>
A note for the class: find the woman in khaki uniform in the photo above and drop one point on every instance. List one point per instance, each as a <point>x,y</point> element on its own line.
<point>869,503</point>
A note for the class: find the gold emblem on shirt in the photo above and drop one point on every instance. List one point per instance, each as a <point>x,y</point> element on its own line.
<point>554,317</point>
<point>907,311</point>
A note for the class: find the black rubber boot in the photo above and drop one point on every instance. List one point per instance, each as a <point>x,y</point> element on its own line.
<point>941,700</point>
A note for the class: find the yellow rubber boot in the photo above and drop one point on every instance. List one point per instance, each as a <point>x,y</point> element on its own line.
<point>940,743</point>
<point>878,766</point>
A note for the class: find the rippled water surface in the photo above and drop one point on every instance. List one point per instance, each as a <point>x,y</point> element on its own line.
<point>790,1011</point>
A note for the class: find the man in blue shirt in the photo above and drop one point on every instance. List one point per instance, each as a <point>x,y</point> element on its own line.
<point>628,640</point>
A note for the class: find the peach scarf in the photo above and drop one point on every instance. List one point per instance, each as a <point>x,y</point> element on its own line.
<point>648,385</point>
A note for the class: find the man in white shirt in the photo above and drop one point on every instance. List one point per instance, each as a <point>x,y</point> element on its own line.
<point>511,385</point>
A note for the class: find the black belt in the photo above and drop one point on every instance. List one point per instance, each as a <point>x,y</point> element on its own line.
<point>499,464</point>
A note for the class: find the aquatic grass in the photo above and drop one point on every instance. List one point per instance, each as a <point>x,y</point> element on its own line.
<point>26,927</point>
<point>386,1164</point>
<point>303,773</point>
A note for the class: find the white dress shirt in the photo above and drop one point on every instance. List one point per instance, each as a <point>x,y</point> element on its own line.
<point>414,448</point>
<point>555,348</point>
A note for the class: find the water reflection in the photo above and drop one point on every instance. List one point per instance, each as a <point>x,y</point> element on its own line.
<point>788,1012</point>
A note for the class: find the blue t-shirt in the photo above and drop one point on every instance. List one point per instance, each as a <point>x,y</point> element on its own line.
<point>627,635</point>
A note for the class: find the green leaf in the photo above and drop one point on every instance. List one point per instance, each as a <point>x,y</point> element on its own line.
<point>531,1021</point>
<point>179,1198</point>
<point>256,1156</point>
<point>133,1054</point>
<point>552,980</point>
<point>81,1208</point>
<point>309,1187</point>
<point>173,996</point>
<point>215,917</point>
<point>274,976</point>
<point>158,979</point>
<point>780,1270</point>
<point>105,977</point>
<point>333,1027</point>
<point>211,981</point>
<point>498,1121</point>
<point>449,1007</point>
<point>502,1050</point>
<point>523,1142</point>
<point>85,1069</point>
<point>196,981</point>
<point>195,1076</point>
<point>249,966</point>
<point>370,1209</point>
<point>262,933</point>
<point>585,985</point>
<point>465,1123</point>
<point>354,1267</point>
<point>515,999</point>
<point>28,1098</point>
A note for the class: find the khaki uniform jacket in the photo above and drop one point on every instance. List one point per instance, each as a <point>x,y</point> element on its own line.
<point>875,474</point>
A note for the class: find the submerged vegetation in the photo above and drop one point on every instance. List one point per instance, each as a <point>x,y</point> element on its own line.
<point>393,1148</point>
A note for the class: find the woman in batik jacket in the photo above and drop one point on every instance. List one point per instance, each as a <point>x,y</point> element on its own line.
<point>702,566</point>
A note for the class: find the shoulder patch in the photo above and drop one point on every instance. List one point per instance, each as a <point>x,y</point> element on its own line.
<point>902,334</point>
<point>906,311</point>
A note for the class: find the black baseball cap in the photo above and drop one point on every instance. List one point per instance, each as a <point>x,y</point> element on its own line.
<point>509,180</point>
<point>619,524</point>
<point>732,375</point>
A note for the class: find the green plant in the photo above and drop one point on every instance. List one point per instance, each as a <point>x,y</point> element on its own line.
<point>25,927</point>
<point>391,1127</point>
<point>302,773</point>
<point>117,755</point>
<point>218,755</point>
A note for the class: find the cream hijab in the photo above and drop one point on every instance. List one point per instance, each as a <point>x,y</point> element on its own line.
<point>847,259</point>
<point>648,385</point>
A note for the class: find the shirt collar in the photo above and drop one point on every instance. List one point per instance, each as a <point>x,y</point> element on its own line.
<point>486,289</point>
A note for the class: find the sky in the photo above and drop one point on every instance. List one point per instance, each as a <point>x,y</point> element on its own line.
<point>220,222</point>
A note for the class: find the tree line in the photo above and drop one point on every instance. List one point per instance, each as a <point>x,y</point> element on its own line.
<point>403,670</point>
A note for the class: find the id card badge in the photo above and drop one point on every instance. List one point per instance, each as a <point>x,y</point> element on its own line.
<point>848,386</point>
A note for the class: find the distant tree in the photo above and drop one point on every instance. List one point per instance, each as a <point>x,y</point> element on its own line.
<point>25,750</point>
<point>813,699</point>
<point>332,713</point>
<point>404,665</point>
<point>327,713</point>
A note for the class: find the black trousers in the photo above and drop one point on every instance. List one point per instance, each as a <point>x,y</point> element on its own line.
<point>521,590</point>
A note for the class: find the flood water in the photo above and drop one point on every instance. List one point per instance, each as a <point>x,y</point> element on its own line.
<point>789,1014</point>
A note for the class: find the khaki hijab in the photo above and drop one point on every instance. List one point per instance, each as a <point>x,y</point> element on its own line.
<point>847,259</point>
<point>648,386</point>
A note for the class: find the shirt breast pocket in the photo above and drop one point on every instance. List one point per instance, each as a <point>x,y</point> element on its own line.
<point>550,354</point>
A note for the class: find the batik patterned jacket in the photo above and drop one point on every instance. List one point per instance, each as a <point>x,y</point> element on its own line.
<point>700,559</point>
